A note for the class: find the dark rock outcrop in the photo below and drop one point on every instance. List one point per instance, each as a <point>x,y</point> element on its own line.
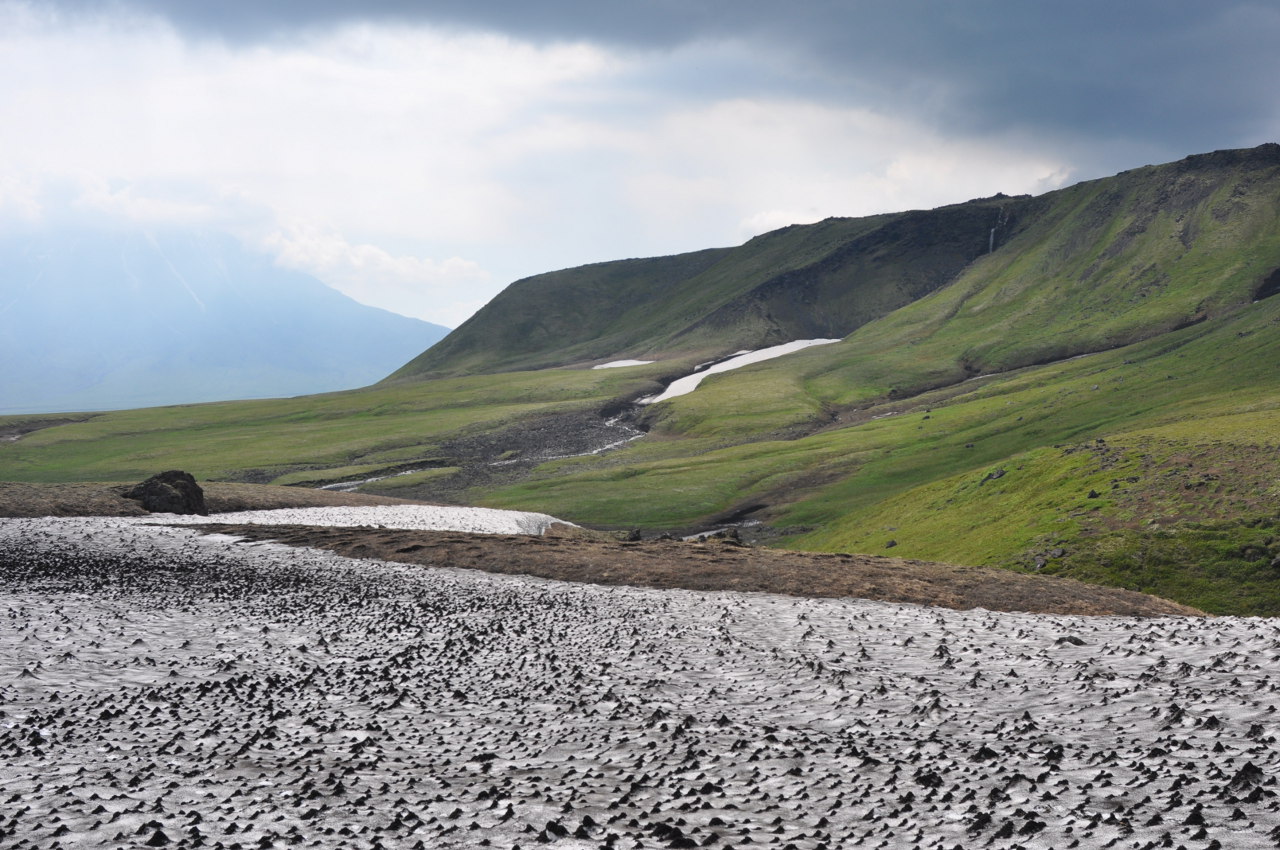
<point>171,492</point>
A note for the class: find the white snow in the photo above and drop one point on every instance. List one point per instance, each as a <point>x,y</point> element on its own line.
<point>618,364</point>
<point>689,383</point>
<point>411,517</point>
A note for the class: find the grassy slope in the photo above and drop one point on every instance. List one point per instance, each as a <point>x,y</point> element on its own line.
<point>800,282</point>
<point>1112,267</point>
<point>1096,266</point>
<point>915,477</point>
<point>310,438</point>
<point>878,454</point>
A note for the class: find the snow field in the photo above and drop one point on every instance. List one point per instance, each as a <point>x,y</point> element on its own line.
<point>410,517</point>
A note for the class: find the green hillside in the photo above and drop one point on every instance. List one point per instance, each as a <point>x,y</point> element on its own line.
<point>999,470</point>
<point>1093,267</point>
<point>802,282</point>
<point>1081,383</point>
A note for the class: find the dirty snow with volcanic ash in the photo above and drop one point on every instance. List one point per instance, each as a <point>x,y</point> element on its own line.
<point>689,383</point>
<point>411,517</point>
<point>158,688</point>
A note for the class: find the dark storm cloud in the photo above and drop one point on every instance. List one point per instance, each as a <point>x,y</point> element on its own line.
<point>1175,76</point>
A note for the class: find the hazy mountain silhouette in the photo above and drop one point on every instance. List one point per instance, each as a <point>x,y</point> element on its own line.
<point>95,319</point>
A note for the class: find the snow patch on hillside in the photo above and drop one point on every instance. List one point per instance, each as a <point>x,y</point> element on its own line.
<point>618,364</point>
<point>689,383</point>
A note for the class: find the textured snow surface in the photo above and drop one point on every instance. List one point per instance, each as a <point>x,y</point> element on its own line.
<point>158,686</point>
<point>689,383</point>
<point>419,517</point>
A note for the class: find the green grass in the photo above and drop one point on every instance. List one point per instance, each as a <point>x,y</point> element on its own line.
<point>716,301</point>
<point>1221,568</point>
<point>312,477</point>
<point>323,437</point>
<point>1104,265</point>
<point>667,492</point>
<point>944,433</point>
<point>917,477</point>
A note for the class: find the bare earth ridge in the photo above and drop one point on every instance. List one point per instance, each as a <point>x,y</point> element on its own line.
<point>722,565</point>
<point>21,499</point>
<point>572,555</point>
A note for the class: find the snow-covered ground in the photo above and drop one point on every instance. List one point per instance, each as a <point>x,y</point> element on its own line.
<point>689,383</point>
<point>159,686</point>
<point>618,364</point>
<point>417,517</point>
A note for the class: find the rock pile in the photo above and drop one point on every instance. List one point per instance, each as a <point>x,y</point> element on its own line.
<point>172,492</point>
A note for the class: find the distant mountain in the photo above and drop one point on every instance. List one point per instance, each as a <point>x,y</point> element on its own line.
<point>94,320</point>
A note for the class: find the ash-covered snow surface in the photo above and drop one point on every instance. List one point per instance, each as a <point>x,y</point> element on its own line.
<point>163,689</point>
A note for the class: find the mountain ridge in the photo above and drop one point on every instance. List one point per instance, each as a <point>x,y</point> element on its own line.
<point>108,319</point>
<point>708,303</point>
<point>858,269</point>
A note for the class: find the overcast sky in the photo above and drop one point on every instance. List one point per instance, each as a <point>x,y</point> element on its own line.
<point>420,156</point>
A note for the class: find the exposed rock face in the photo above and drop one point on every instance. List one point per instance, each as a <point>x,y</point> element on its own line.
<point>172,492</point>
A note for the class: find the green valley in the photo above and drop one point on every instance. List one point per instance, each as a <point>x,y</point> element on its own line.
<point>1082,383</point>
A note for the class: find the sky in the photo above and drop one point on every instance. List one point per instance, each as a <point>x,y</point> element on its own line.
<point>420,156</point>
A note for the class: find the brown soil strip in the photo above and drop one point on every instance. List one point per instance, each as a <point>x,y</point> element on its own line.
<point>37,500</point>
<point>723,565</point>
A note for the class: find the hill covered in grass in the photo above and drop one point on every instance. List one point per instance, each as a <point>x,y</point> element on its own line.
<point>1018,280</point>
<point>802,282</point>
<point>1087,390</point>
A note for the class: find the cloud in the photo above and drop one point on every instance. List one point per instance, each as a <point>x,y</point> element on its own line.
<point>393,137</point>
<point>1175,75</point>
<point>810,161</point>
<point>443,292</point>
<point>131,204</point>
<point>363,123</point>
<point>398,149</point>
<point>20,197</point>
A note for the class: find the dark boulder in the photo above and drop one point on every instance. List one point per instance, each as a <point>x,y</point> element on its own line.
<point>172,492</point>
